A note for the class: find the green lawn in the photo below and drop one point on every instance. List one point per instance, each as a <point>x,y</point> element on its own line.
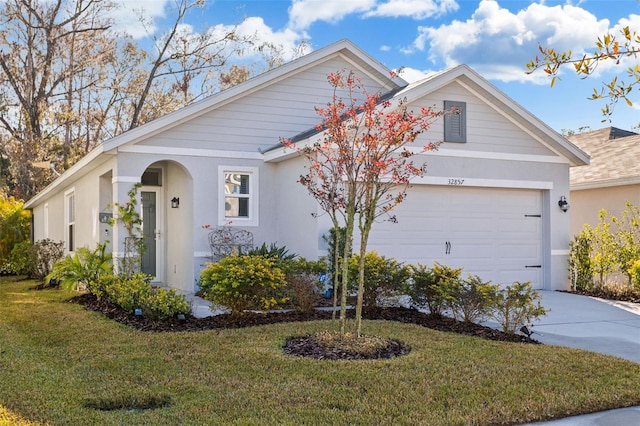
<point>58,360</point>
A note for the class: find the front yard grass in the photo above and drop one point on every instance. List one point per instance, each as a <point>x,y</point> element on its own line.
<point>59,363</point>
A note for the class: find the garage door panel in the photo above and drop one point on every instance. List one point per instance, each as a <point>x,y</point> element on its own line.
<point>493,233</point>
<point>508,276</point>
<point>522,252</point>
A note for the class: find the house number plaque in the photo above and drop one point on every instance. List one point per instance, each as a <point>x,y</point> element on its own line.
<point>456,182</point>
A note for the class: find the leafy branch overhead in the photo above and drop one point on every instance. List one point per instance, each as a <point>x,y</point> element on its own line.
<point>608,48</point>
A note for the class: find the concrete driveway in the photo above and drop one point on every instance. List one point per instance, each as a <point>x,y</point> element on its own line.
<point>583,322</point>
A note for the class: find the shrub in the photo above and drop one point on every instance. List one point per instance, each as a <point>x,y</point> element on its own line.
<point>14,225</point>
<point>580,267</point>
<point>304,288</point>
<point>383,277</point>
<point>244,282</point>
<point>335,251</point>
<point>429,287</point>
<point>81,269</point>
<point>34,260</point>
<point>470,299</point>
<point>46,253</point>
<point>136,292</point>
<point>300,265</point>
<point>634,273</point>
<point>22,259</point>
<point>272,251</point>
<point>516,305</point>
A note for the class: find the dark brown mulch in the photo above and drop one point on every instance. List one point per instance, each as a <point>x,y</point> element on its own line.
<point>404,315</point>
<point>307,346</point>
<point>603,294</point>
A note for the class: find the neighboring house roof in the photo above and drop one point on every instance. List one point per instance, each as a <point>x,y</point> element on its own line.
<point>479,86</point>
<point>615,158</point>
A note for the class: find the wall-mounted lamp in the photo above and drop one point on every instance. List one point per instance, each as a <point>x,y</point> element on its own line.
<point>563,204</point>
<point>175,202</point>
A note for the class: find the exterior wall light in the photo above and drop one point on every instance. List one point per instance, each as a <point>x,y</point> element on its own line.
<point>563,204</point>
<point>175,202</point>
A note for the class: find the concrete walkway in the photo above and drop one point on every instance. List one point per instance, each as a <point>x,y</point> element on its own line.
<point>582,322</point>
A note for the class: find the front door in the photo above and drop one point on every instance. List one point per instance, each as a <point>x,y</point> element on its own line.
<point>150,232</point>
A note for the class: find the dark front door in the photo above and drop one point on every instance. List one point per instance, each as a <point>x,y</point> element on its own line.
<point>149,232</point>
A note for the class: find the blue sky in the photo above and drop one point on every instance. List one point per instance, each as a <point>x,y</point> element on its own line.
<point>495,37</point>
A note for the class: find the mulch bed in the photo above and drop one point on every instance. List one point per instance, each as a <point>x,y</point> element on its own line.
<point>302,345</point>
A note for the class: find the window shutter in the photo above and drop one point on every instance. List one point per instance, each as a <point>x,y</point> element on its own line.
<point>455,121</point>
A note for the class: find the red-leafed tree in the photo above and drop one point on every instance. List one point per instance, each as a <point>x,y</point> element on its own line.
<point>361,163</point>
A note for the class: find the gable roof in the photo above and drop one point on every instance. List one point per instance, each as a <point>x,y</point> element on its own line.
<point>344,48</point>
<point>484,90</point>
<point>615,158</point>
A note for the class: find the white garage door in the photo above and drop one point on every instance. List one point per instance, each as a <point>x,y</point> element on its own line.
<point>494,233</point>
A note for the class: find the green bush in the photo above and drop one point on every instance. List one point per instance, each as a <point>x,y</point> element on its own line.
<point>516,305</point>
<point>383,277</point>
<point>83,268</point>
<point>273,251</point>
<point>244,282</point>
<point>136,292</point>
<point>35,260</point>
<point>429,287</point>
<point>15,224</point>
<point>634,273</point>
<point>470,299</point>
<point>335,249</point>
<point>580,267</point>
<point>300,265</point>
<point>22,260</point>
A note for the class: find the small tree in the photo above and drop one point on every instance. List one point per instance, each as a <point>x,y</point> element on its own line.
<point>129,216</point>
<point>361,167</point>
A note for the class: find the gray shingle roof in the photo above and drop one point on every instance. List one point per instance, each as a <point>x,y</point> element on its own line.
<point>615,158</point>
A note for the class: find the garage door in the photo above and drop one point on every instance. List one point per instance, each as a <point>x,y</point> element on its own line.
<point>494,233</point>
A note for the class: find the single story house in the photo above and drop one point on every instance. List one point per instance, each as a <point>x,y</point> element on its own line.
<point>610,180</point>
<point>489,201</point>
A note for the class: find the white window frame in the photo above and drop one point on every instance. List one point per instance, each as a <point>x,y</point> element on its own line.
<point>252,219</point>
<point>70,220</point>
<point>45,230</point>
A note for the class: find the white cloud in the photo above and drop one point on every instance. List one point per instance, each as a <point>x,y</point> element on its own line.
<point>303,13</point>
<point>127,15</point>
<point>411,74</point>
<point>416,9</point>
<point>498,43</point>
<point>287,39</point>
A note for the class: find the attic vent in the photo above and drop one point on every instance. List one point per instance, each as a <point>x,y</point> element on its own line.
<point>455,121</point>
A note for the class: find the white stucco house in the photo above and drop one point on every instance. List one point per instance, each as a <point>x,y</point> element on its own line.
<point>489,201</point>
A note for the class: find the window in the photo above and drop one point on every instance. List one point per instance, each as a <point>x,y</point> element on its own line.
<point>240,196</point>
<point>455,121</point>
<point>45,231</point>
<point>152,177</point>
<point>70,219</point>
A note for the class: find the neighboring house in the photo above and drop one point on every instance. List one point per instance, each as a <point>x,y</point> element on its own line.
<point>612,178</point>
<point>489,201</point>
